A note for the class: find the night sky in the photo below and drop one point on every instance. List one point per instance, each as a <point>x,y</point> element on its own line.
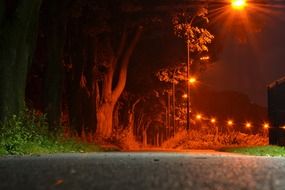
<point>249,65</point>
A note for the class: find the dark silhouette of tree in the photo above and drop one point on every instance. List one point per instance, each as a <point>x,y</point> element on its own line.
<point>18,34</point>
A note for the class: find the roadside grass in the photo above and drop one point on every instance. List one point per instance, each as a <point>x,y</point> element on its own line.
<point>51,146</point>
<point>258,150</point>
<point>207,138</point>
<point>28,134</point>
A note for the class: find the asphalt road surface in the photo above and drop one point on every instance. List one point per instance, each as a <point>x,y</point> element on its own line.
<point>142,171</point>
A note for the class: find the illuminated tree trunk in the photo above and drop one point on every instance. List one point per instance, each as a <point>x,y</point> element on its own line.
<point>104,120</point>
<point>18,20</point>
<point>131,116</point>
<point>144,137</point>
<point>109,95</point>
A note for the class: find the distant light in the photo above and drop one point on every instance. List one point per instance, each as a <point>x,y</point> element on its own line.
<point>230,122</point>
<point>184,96</point>
<point>248,125</point>
<point>266,126</point>
<point>192,80</point>
<point>204,58</point>
<point>213,120</point>
<point>198,116</point>
<point>238,4</point>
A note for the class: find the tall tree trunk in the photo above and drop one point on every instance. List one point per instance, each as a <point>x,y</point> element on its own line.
<point>144,134</point>
<point>109,95</point>
<point>17,39</point>
<point>56,36</point>
<point>104,120</point>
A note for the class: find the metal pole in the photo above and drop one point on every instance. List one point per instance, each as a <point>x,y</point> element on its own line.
<point>169,112</point>
<point>188,85</point>
<point>173,105</point>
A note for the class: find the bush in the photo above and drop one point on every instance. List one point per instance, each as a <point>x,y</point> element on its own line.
<point>199,139</point>
<point>28,134</point>
<point>125,139</point>
<point>19,131</point>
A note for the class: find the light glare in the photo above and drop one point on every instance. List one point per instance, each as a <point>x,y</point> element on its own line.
<point>192,80</point>
<point>198,116</point>
<point>230,122</point>
<point>248,125</point>
<point>238,4</point>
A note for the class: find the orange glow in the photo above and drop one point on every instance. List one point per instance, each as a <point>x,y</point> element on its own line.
<point>230,122</point>
<point>198,116</point>
<point>184,96</point>
<point>205,58</point>
<point>213,120</point>
<point>265,125</point>
<point>192,80</point>
<point>248,125</point>
<point>238,4</point>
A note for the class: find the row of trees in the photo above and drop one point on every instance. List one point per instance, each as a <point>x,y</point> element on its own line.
<point>70,59</point>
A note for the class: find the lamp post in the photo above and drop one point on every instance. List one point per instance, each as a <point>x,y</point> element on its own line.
<point>239,4</point>
<point>188,86</point>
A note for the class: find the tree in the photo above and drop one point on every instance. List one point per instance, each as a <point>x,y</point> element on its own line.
<point>18,34</point>
<point>114,35</point>
<point>107,95</point>
<point>197,39</point>
<point>57,19</point>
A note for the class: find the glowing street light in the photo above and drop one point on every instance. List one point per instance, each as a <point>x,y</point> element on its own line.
<point>265,126</point>
<point>198,116</point>
<point>248,125</point>
<point>192,80</point>
<point>205,58</point>
<point>230,123</point>
<point>213,121</point>
<point>238,4</point>
<point>184,96</point>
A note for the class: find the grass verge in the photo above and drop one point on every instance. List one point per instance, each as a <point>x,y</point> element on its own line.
<point>28,134</point>
<point>51,146</point>
<point>258,150</point>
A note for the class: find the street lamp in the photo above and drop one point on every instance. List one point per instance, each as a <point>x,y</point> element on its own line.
<point>248,125</point>
<point>230,123</point>
<point>188,85</point>
<point>265,126</point>
<point>198,116</point>
<point>238,4</point>
<point>213,120</point>
<point>192,80</point>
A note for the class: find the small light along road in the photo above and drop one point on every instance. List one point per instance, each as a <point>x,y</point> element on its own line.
<point>192,170</point>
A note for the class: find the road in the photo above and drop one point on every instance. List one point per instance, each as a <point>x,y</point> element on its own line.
<point>142,170</point>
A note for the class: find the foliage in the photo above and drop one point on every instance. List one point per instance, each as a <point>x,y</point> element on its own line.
<point>173,74</point>
<point>207,140</point>
<point>28,134</point>
<point>125,139</point>
<point>22,129</point>
<point>259,150</point>
<point>196,36</point>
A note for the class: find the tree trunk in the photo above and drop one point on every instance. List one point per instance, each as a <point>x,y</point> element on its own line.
<point>17,39</point>
<point>58,16</point>
<point>104,121</point>
<point>108,97</point>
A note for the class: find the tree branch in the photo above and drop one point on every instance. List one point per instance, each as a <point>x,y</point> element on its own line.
<point>135,103</point>
<point>122,44</point>
<point>124,67</point>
